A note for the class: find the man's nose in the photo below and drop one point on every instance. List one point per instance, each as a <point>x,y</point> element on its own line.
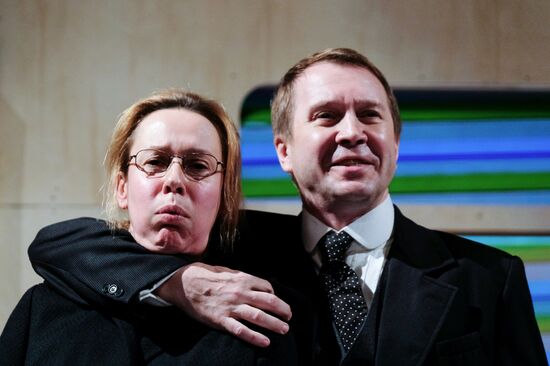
<point>351,131</point>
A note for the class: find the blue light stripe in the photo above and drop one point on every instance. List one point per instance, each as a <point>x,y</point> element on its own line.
<point>513,240</point>
<point>251,152</point>
<point>259,155</point>
<point>476,129</point>
<point>458,167</point>
<point>257,134</point>
<point>270,165</point>
<point>432,150</point>
<point>536,198</point>
<point>540,287</point>
<point>542,307</point>
<point>263,172</point>
<point>470,147</point>
<point>433,141</point>
<point>487,155</point>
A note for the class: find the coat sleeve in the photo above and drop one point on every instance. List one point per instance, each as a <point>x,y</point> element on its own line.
<point>15,336</point>
<point>519,340</point>
<point>91,264</point>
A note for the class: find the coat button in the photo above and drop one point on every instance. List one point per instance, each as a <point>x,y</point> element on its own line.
<point>112,289</point>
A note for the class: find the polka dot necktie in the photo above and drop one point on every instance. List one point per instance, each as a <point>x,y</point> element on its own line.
<point>341,284</point>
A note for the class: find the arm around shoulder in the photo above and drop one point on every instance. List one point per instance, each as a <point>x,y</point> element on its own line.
<point>90,263</point>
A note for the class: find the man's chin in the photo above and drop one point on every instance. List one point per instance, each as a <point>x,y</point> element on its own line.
<point>360,172</point>
<point>357,193</point>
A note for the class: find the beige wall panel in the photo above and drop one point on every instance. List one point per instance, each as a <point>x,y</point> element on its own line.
<point>11,257</point>
<point>68,68</point>
<point>524,42</point>
<point>18,228</point>
<point>481,219</point>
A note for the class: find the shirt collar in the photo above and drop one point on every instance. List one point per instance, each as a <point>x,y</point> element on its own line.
<point>371,230</point>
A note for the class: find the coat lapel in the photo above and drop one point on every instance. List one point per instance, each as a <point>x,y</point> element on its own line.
<point>415,304</point>
<point>414,308</point>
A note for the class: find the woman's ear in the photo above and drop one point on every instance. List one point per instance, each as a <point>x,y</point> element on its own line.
<point>122,191</point>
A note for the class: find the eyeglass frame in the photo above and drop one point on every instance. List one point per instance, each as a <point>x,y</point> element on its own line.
<point>181,157</point>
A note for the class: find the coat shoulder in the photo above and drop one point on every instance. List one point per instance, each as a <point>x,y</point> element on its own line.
<point>446,244</point>
<point>464,246</point>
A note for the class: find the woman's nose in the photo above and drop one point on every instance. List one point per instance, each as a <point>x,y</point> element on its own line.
<point>175,179</point>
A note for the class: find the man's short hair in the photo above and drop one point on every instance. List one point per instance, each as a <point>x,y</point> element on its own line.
<point>282,107</point>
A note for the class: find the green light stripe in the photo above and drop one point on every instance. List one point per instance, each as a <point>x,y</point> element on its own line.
<point>528,254</point>
<point>269,188</point>
<point>421,184</point>
<point>471,183</point>
<point>544,323</point>
<point>470,114</point>
<point>263,116</point>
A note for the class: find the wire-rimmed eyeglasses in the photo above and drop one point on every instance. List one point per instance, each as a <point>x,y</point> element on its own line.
<point>196,166</point>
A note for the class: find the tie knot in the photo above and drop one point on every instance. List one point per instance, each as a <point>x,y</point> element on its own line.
<point>334,245</point>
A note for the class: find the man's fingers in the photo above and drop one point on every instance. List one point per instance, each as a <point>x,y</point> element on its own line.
<point>260,318</point>
<point>255,283</point>
<point>232,301</point>
<point>271,303</point>
<point>257,293</point>
<point>241,331</point>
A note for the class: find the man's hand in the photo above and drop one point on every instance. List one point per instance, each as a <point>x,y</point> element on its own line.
<point>223,298</point>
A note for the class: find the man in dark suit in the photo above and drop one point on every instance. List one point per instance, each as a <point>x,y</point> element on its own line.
<point>381,289</point>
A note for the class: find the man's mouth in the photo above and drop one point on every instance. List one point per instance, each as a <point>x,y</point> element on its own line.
<point>351,162</point>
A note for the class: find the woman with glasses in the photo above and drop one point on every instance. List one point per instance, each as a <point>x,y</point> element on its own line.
<point>173,188</point>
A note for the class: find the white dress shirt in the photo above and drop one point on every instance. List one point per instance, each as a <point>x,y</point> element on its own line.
<point>372,236</point>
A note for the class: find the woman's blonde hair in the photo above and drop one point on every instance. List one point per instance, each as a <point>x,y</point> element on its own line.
<point>118,154</point>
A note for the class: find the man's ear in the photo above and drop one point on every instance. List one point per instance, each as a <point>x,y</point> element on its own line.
<point>283,153</point>
<point>122,191</point>
<point>397,151</point>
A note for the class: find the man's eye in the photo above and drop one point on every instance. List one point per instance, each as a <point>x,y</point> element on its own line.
<point>368,114</point>
<point>325,115</point>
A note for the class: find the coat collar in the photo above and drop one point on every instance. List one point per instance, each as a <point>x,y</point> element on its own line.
<point>418,247</point>
<point>415,302</point>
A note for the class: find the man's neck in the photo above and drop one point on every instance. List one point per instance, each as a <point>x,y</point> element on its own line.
<point>340,214</point>
<point>370,230</point>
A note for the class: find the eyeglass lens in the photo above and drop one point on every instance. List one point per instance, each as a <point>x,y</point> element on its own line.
<point>195,165</point>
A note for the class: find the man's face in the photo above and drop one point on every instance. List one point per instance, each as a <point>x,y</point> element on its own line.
<point>343,149</point>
